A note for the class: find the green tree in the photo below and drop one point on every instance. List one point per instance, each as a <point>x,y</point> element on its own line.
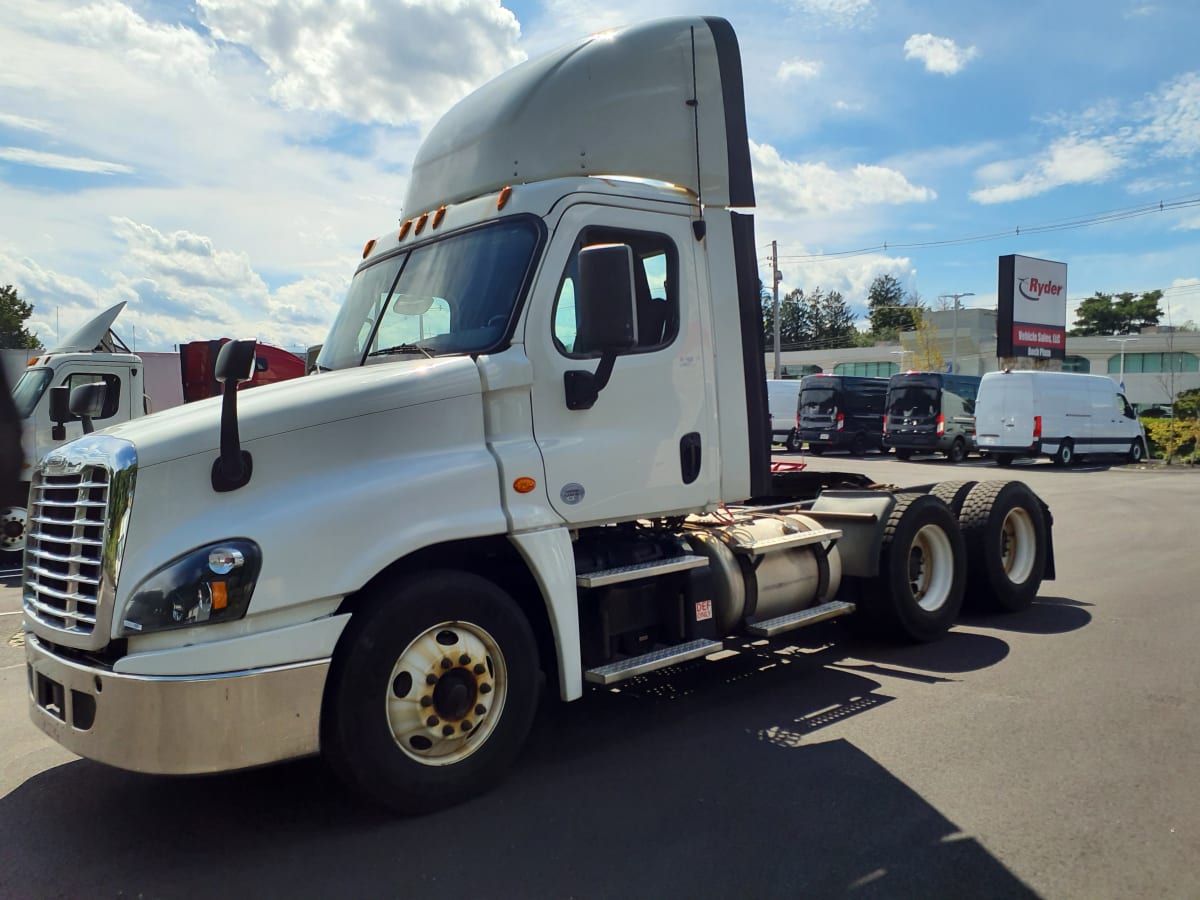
<point>1117,313</point>
<point>13,313</point>
<point>833,320</point>
<point>1187,403</point>
<point>927,357</point>
<point>890,311</point>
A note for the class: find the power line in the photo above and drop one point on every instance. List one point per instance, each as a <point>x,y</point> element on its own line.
<point>1067,224</point>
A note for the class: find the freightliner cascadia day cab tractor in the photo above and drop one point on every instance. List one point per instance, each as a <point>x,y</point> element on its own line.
<point>535,457</point>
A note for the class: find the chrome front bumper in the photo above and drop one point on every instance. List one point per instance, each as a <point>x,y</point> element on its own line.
<point>176,725</point>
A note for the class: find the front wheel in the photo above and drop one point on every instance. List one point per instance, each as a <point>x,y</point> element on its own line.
<point>1135,452</point>
<point>1005,531</point>
<point>13,522</point>
<point>432,692</point>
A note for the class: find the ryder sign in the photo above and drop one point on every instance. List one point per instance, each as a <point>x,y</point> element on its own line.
<point>1032,312</point>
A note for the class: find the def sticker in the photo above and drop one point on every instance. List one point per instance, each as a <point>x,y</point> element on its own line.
<point>703,610</point>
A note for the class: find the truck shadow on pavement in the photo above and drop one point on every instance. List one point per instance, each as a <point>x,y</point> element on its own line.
<point>709,780</point>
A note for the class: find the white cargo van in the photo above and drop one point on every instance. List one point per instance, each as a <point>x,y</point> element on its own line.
<point>1057,414</point>
<point>783,396</point>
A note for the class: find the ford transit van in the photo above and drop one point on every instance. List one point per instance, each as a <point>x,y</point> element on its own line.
<point>928,411</point>
<point>841,412</point>
<point>1061,415</point>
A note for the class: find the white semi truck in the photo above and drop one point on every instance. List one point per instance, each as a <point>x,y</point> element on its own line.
<point>135,384</point>
<point>537,453</point>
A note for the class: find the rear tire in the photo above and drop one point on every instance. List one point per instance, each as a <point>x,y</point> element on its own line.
<point>859,446</point>
<point>1004,460</point>
<point>1004,529</point>
<point>957,452</point>
<point>953,493</point>
<point>790,444</point>
<point>903,453</point>
<point>1066,453</point>
<point>815,450</point>
<point>917,595</point>
<point>432,692</point>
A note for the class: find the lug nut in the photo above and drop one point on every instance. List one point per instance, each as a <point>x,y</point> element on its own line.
<point>431,721</point>
<point>431,679</point>
<point>464,660</point>
<point>480,709</point>
<point>466,726</point>
<point>448,730</point>
<point>446,664</point>
<point>479,669</point>
<point>427,701</point>
<point>485,689</point>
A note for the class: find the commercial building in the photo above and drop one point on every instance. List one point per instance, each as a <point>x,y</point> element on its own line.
<point>1158,364</point>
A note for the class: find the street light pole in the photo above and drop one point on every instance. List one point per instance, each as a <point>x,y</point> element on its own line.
<point>954,327</point>
<point>1123,340</point>
<point>775,279</point>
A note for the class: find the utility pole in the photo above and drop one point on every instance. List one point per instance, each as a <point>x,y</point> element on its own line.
<point>775,318</point>
<point>954,328</point>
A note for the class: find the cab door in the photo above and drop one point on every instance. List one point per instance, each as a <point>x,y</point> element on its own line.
<point>647,446</point>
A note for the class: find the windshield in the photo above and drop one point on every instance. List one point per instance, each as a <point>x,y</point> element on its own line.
<point>29,389</point>
<point>818,402</point>
<point>456,295</point>
<point>912,402</point>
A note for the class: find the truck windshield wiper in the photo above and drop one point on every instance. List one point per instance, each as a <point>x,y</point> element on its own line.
<point>402,348</point>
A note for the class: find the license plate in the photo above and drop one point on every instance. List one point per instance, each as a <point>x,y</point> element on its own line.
<point>824,437</point>
<point>985,439</point>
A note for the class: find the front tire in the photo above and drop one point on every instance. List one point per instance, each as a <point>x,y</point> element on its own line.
<point>432,692</point>
<point>1004,528</point>
<point>14,521</point>
<point>1135,452</point>
<point>918,593</point>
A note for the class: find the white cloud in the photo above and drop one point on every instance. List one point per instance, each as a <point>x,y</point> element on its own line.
<point>22,123</point>
<point>1173,117</point>
<point>939,54</point>
<point>371,62</point>
<point>844,13</point>
<point>1069,160</point>
<point>816,187</point>
<point>25,157</point>
<point>804,69</point>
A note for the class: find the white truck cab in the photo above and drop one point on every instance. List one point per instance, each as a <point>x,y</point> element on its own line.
<point>536,447</point>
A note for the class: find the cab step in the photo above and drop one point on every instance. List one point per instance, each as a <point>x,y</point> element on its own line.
<point>648,662</point>
<point>652,569</point>
<point>786,541</point>
<point>810,616</point>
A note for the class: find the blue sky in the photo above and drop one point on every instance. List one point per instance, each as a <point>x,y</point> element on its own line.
<point>219,164</point>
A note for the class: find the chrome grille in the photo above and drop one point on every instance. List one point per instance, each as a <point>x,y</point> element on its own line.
<point>78,508</point>
<point>65,544</point>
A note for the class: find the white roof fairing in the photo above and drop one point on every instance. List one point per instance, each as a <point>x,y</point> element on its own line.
<point>618,103</point>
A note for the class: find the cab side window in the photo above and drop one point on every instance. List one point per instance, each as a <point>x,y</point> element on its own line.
<point>656,288</point>
<point>112,396</point>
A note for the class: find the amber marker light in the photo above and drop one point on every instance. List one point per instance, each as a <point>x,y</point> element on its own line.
<point>505,194</point>
<point>404,228</point>
<point>438,216</point>
<point>220,596</point>
<point>524,485</point>
<point>421,220</point>
<point>368,247</point>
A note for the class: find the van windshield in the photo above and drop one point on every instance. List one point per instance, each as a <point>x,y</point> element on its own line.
<point>29,389</point>
<point>451,296</point>
<point>912,402</point>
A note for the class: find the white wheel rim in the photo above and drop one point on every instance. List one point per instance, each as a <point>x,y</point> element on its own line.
<point>931,568</point>
<point>446,693</point>
<point>1018,545</point>
<point>12,529</point>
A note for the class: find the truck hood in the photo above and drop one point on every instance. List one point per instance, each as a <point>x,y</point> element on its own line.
<point>292,406</point>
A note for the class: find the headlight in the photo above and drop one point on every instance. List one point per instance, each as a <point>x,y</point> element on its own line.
<point>210,584</point>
